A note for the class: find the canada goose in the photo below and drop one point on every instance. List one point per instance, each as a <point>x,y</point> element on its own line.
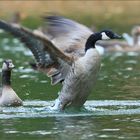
<point>8,97</point>
<point>66,51</point>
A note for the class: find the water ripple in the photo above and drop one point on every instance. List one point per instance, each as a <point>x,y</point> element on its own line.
<point>41,109</point>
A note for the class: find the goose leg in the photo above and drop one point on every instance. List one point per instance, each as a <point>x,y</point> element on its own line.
<point>59,105</point>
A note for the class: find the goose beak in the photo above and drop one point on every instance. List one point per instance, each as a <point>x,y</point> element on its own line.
<point>116,36</point>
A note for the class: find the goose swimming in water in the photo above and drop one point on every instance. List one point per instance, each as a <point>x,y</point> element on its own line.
<point>66,52</point>
<point>8,97</point>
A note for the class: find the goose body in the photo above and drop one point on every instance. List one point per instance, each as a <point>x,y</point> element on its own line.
<point>66,52</point>
<point>79,80</point>
<point>8,96</point>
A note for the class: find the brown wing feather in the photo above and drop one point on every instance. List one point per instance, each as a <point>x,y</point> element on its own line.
<point>66,34</point>
<point>31,39</point>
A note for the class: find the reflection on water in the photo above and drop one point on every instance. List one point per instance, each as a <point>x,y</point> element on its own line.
<point>111,112</point>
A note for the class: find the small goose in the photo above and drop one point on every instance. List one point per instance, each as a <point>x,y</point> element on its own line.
<point>66,51</point>
<point>8,97</point>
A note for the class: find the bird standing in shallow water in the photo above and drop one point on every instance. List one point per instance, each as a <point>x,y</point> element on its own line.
<point>8,97</point>
<point>83,73</point>
<point>66,51</point>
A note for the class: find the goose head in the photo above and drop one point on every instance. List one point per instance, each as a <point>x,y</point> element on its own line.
<point>103,35</point>
<point>108,34</point>
<point>7,65</point>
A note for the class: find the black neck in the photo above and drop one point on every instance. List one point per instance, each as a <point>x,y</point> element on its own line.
<point>92,40</point>
<point>6,76</point>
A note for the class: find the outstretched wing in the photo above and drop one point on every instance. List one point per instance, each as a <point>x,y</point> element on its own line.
<point>36,46</point>
<point>64,41</point>
<point>66,34</point>
<point>53,59</point>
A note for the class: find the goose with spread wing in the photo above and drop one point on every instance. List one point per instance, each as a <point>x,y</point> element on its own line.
<point>65,51</point>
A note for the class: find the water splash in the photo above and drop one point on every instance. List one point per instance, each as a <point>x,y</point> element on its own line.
<point>39,109</point>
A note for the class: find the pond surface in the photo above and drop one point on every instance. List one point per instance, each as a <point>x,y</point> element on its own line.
<point>112,111</point>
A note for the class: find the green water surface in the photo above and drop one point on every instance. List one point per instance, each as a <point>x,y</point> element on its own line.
<point>112,111</point>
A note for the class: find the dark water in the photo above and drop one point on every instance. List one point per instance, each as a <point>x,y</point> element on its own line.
<point>112,111</point>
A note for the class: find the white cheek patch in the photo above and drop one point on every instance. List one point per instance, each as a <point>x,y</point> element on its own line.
<point>104,36</point>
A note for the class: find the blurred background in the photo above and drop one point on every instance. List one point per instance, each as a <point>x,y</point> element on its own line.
<point>113,108</point>
<point>119,15</point>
